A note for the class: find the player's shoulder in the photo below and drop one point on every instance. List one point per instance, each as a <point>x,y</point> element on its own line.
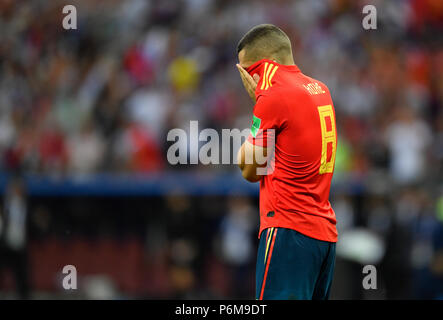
<point>271,102</point>
<point>271,97</point>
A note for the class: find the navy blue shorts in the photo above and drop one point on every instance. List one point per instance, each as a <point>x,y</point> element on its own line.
<point>291,265</point>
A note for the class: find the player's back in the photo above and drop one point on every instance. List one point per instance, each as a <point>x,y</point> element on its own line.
<point>303,116</point>
<point>310,110</point>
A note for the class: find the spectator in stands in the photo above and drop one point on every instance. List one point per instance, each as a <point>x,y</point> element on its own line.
<point>13,235</point>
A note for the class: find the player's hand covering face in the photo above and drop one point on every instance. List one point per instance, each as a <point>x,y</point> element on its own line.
<point>249,82</point>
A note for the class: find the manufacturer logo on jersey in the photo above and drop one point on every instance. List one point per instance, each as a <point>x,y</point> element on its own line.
<point>268,74</point>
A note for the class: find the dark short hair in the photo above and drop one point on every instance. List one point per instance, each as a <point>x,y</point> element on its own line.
<point>265,39</point>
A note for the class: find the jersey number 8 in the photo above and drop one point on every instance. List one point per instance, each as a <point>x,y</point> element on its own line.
<point>328,138</point>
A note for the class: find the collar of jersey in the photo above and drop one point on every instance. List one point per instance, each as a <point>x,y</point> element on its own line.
<point>253,67</point>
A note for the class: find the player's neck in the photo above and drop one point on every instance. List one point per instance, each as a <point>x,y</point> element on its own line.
<point>289,61</point>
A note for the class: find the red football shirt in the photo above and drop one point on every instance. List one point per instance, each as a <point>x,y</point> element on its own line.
<point>295,192</point>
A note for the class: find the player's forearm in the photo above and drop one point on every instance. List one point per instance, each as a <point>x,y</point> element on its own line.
<point>249,171</point>
<point>241,157</point>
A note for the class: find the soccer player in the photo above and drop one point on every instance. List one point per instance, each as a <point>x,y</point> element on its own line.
<point>296,253</point>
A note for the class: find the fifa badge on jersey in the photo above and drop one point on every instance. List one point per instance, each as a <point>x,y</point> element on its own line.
<point>255,125</point>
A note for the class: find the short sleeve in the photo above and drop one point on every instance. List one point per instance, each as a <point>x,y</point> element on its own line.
<point>267,120</point>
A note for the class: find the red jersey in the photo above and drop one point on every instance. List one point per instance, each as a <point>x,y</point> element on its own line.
<point>295,192</point>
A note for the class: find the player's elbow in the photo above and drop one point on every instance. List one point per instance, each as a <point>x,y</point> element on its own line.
<point>250,174</point>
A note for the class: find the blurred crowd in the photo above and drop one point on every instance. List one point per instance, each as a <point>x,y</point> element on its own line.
<point>102,97</point>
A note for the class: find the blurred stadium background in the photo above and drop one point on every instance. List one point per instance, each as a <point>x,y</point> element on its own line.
<point>83,121</point>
